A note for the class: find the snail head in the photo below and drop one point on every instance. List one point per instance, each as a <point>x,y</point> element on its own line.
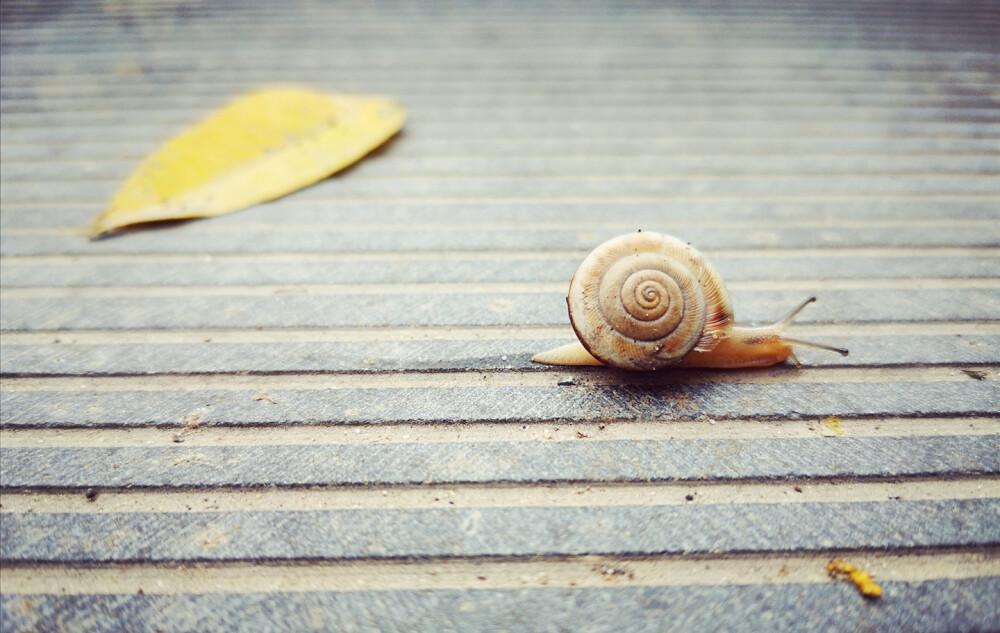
<point>757,346</point>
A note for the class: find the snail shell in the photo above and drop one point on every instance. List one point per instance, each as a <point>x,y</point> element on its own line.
<point>643,301</point>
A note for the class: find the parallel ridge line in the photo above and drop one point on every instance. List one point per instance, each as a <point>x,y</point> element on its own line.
<point>686,29</point>
<point>143,136</point>
<point>473,224</point>
<point>251,499</point>
<point>687,210</point>
<point>101,112</point>
<point>365,334</point>
<point>105,117</point>
<point>490,572</point>
<point>64,41</point>
<point>583,14</point>
<point>651,212</point>
<point>422,100</point>
<point>630,177</point>
<point>532,151</point>
<point>335,289</point>
<point>180,336</point>
<point>518,11</point>
<point>751,117</point>
<point>916,65</point>
<point>97,203</point>
<point>806,189</point>
<point>493,254</point>
<point>553,175</point>
<point>900,75</point>
<point>477,287</point>
<point>444,129</point>
<point>827,14</point>
<point>667,160</point>
<point>579,99</point>
<point>421,380</point>
<point>820,11</point>
<point>703,75</point>
<point>191,434</point>
<point>649,146</point>
<point>821,77</point>
<point>61,43</point>
<point>766,62</point>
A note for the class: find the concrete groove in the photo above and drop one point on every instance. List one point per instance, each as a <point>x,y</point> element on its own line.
<point>584,571</point>
<point>294,499</point>
<point>549,431</point>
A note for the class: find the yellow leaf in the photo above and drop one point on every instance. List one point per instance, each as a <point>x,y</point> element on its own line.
<point>259,148</point>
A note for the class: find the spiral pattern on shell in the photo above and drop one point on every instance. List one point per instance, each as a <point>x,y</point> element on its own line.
<point>644,300</point>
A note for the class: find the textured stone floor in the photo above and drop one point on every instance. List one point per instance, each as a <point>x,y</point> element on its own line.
<point>320,413</point>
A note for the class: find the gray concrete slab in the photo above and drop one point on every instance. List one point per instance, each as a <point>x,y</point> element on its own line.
<point>333,239</point>
<point>584,402</point>
<point>965,605</point>
<point>525,462</point>
<point>207,270</point>
<point>844,149</point>
<point>673,215</point>
<point>293,308</point>
<point>427,355</point>
<point>472,532</point>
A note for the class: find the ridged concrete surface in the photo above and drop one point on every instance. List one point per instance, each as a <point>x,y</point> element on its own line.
<point>320,413</point>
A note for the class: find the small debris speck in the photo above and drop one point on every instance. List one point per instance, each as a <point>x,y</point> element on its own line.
<point>861,579</point>
<point>262,395</point>
<point>91,494</point>
<point>192,423</point>
<point>566,381</point>
<point>689,497</point>
<point>610,572</point>
<point>833,424</point>
<point>975,374</point>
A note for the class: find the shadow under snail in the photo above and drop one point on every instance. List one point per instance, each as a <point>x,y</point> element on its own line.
<point>646,301</point>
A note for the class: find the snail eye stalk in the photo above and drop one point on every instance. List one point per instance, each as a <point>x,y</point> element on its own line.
<point>783,323</point>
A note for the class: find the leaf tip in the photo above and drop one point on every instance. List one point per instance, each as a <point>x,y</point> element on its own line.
<point>99,228</point>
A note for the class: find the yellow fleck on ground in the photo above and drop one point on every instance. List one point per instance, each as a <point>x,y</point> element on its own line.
<point>841,569</point>
<point>833,423</point>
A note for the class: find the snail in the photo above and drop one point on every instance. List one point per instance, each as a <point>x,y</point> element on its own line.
<point>645,301</point>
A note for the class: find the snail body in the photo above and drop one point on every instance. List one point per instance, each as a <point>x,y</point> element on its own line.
<point>645,301</point>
